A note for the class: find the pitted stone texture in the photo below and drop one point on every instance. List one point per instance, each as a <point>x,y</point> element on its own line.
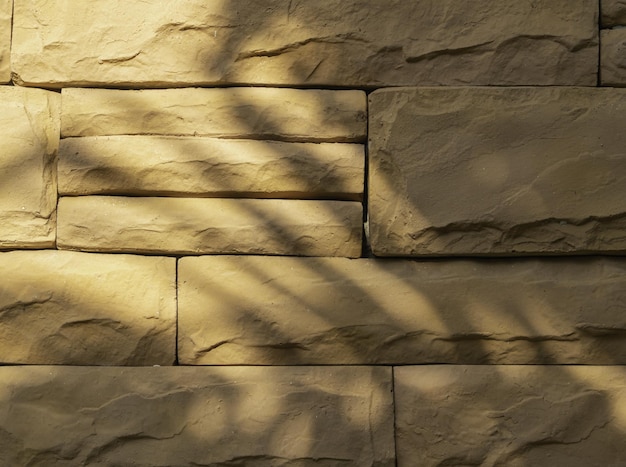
<point>176,416</point>
<point>353,43</point>
<point>29,121</point>
<point>497,171</point>
<point>394,311</point>
<point>256,113</point>
<point>613,57</point>
<point>68,308</point>
<point>6,14</point>
<point>613,12</point>
<point>151,165</point>
<point>210,225</point>
<point>510,415</point>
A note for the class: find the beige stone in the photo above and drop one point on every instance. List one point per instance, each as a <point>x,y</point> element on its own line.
<point>210,225</point>
<point>613,12</point>
<point>613,57</point>
<point>61,307</point>
<point>29,121</point>
<point>6,16</point>
<point>395,311</point>
<point>347,43</point>
<point>497,171</point>
<point>151,165</point>
<point>176,416</point>
<point>510,415</point>
<point>256,113</point>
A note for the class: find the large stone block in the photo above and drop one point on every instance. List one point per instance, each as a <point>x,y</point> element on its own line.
<point>347,43</point>
<point>29,121</point>
<point>152,165</point>
<point>613,12</point>
<point>6,17</point>
<point>60,307</point>
<point>510,415</point>
<point>210,225</point>
<point>497,171</point>
<point>613,57</point>
<point>391,311</point>
<point>176,416</point>
<point>256,113</point>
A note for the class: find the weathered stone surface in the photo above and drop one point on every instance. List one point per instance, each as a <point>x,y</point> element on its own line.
<point>352,43</point>
<point>178,416</point>
<point>6,14</point>
<point>61,307</point>
<point>613,12</point>
<point>210,167</point>
<point>210,225</point>
<point>394,311</point>
<point>481,171</point>
<point>29,121</point>
<point>257,113</point>
<point>510,415</point>
<point>613,58</point>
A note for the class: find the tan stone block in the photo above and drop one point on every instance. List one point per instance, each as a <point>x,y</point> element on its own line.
<point>256,113</point>
<point>510,415</point>
<point>497,171</point>
<point>613,57</point>
<point>210,225</point>
<point>61,307</point>
<point>613,12</point>
<point>151,165</point>
<point>29,121</point>
<point>6,17</point>
<point>393,311</point>
<point>175,416</point>
<point>346,43</point>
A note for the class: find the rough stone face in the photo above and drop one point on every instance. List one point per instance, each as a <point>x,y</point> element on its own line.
<point>210,167</point>
<point>510,415</point>
<point>394,311</point>
<point>178,416</point>
<point>613,58</point>
<point>68,308</point>
<point>6,13</point>
<point>256,113</point>
<point>482,171</point>
<point>613,12</point>
<point>29,121</point>
<point>211,225</point>
<point>353,43</point>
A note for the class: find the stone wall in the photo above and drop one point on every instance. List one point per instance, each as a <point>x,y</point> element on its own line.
<point>288,233</point>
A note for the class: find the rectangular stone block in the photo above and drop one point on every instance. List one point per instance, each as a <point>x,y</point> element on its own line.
<point>510,415</point>
<point>390,311</point>
<point>255,113</point>
<point>6,17</point>
<point>29,122</point>
<point>497,171</point>
<point>152,165</point>
<point>210,225</point>
<point>69,308</point>
<point>346,43</point>
<point>175,416</point>
<point>613,57</point>
<point>613,13</point>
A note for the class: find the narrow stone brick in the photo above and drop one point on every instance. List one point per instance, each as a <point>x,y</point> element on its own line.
<point>6,17</point>
<point>151,165</point>
<point>257,113</point>
<point>497,171</point>
<point>613,13</point>
<point>393,311</point>
<point>69,308</point>
<point>510,415</point>
<point>613,58</point>
<point>210,225</point>
<point>175,416</point>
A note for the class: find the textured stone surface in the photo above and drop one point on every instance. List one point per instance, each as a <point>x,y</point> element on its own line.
<point>613,12</point>
<point>257,113</point>
<point>6,13</point>
<point>210,167</point>
<point>613,57</point>
<point>29,121</point>
<point>475,171</point>
<point>510,415</point>
<point>352,43</point>
<point>366,311</point>
<point>158,417</point>
<point>211,225</point>
<point>60,307</point>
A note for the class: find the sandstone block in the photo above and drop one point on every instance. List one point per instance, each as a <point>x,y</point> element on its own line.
<point>347,43</point>
<point>210,225</point>
<point>176,416</point>
<point>29,121</point>
<point>6,17</point>
<point>497,171</point>
<point>510,415</point>
<point>255,113</point>
<point>152,165</point>
<point>394,311</point>
<point>68,308</point>
<point>613,57</point>
<point>613,13</point>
